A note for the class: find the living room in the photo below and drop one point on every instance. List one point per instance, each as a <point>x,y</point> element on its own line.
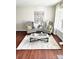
<point>39,27</point>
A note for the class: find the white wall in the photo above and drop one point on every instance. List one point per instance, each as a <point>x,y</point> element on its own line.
<point>24,14</point>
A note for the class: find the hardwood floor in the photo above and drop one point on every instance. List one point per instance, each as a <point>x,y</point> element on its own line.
<point>36,54</point>
<point>19,36</point>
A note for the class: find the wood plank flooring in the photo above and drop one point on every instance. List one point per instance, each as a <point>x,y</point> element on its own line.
<point>36,54</point>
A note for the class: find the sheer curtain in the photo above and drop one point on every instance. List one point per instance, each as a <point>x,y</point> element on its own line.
<point>58,25</point>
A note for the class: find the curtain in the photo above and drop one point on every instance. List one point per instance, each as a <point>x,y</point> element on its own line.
<point>58,25</point>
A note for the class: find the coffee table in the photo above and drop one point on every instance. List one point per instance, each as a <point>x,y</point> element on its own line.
<point>39,36</point>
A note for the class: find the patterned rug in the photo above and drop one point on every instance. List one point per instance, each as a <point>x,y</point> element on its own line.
<point>26,44</point>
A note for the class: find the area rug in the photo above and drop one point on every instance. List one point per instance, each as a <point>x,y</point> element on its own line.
<point>26,44</point>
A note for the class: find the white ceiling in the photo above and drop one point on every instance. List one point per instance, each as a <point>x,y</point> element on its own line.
<point>36,2</point>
